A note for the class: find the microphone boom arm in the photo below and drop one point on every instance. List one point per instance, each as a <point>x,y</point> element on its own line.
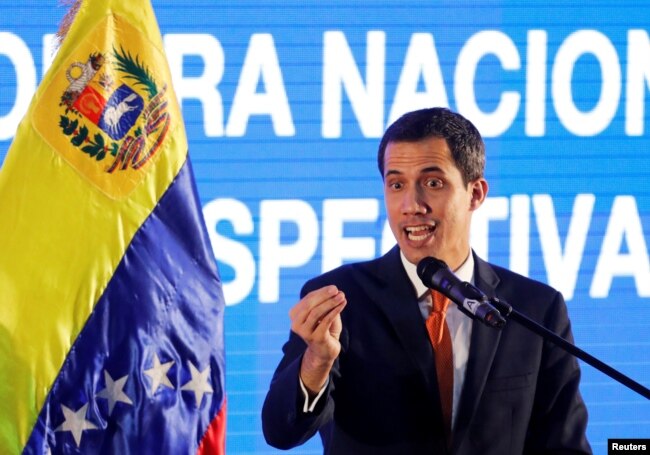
<point>435,274</point>
<point>507,311</point>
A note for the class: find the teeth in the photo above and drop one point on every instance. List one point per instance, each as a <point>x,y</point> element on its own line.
<point>418,228</point>
<point>419,232</point>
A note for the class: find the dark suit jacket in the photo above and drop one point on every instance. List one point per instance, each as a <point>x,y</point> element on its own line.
<point>520,394</point>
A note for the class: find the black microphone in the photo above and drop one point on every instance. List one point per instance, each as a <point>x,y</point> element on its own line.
<point>435,274</point>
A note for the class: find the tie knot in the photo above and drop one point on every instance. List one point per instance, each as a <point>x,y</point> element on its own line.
<point>440,302</point>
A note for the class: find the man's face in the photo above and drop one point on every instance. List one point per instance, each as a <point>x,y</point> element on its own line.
<point>429,207</point>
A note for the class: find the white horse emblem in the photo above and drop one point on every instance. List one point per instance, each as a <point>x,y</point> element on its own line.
<point>113,114</point>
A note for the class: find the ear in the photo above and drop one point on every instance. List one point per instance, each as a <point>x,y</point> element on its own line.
<point>478,190</point>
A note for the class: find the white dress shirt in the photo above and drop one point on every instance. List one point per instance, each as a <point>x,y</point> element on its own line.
<point>460,329</point>
<point>460,325</point>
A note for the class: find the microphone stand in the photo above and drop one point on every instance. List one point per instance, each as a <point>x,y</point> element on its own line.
<point>506,311</point>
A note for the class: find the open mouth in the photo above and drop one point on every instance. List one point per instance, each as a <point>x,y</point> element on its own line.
<point>421,232</point>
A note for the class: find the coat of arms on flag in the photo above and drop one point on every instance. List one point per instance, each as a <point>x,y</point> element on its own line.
<point>114,112</point>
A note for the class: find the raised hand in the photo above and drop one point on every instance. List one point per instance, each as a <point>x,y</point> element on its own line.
<point>316,318</point>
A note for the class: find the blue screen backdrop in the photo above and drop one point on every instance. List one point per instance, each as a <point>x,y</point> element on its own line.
<point>284,105</point>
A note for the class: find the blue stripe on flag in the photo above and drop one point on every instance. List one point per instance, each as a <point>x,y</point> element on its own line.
<point>163,304</point>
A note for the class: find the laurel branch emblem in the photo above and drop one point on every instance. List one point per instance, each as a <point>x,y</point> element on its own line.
<point>106,118</point>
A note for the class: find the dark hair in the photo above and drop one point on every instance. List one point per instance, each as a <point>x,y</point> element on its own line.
<point>463,139</point>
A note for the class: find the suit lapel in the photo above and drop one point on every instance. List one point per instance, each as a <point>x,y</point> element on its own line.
<point>483,347</point>
<point>398,301</point>
<point>396,298</point>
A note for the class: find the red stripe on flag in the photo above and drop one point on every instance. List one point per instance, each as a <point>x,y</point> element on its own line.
<point>214,439</point>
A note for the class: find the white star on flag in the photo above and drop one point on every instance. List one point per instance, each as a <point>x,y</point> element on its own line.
<point>75,422</point>
<point>199,383</point>
<point>158,374</point>
<point>114,391</point>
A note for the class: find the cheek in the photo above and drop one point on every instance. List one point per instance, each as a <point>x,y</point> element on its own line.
<point>458,219</point>
<point>452,216</point>
<point>392,204</point>
<point>390,214</point>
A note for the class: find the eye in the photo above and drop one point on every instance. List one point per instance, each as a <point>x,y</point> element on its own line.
<point>433,183</point>
<point>395,186</point>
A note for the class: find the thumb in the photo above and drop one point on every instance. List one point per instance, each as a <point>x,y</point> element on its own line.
<point>336,327</point>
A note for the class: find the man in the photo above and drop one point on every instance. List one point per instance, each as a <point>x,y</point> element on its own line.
<point>360,365</point>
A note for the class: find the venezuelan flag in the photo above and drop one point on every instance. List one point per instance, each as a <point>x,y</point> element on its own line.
<point>111,310</point>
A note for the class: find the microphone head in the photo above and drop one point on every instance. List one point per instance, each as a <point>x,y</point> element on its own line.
<point>428,266</point>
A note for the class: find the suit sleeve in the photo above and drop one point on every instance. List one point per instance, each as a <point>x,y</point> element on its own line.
<point>559,418</point>
<point>284,423</point>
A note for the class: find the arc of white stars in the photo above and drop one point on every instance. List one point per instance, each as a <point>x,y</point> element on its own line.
<point>75,422</point>
<point>158,374</point>
<point>199,384</point>
<point>114,391</point>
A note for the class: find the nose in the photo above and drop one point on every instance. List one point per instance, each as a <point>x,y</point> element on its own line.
<point>413,202</point>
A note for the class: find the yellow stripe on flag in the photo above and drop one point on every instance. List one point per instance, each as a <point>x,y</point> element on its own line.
<point>102,140</point>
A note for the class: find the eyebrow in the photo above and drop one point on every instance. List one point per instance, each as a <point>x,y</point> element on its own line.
<point>430,169</point>
<point>426,170</point>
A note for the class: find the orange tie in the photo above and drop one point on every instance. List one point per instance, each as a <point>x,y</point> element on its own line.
<point>441,342</point>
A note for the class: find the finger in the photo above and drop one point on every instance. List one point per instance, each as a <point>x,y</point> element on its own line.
<point>324,323</point>
<point>310,300</point>
<point>330,327</point>
<point>318,313</point>
<point>301,310</point>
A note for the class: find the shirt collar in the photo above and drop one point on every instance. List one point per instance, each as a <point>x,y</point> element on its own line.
<point>464,273</point>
